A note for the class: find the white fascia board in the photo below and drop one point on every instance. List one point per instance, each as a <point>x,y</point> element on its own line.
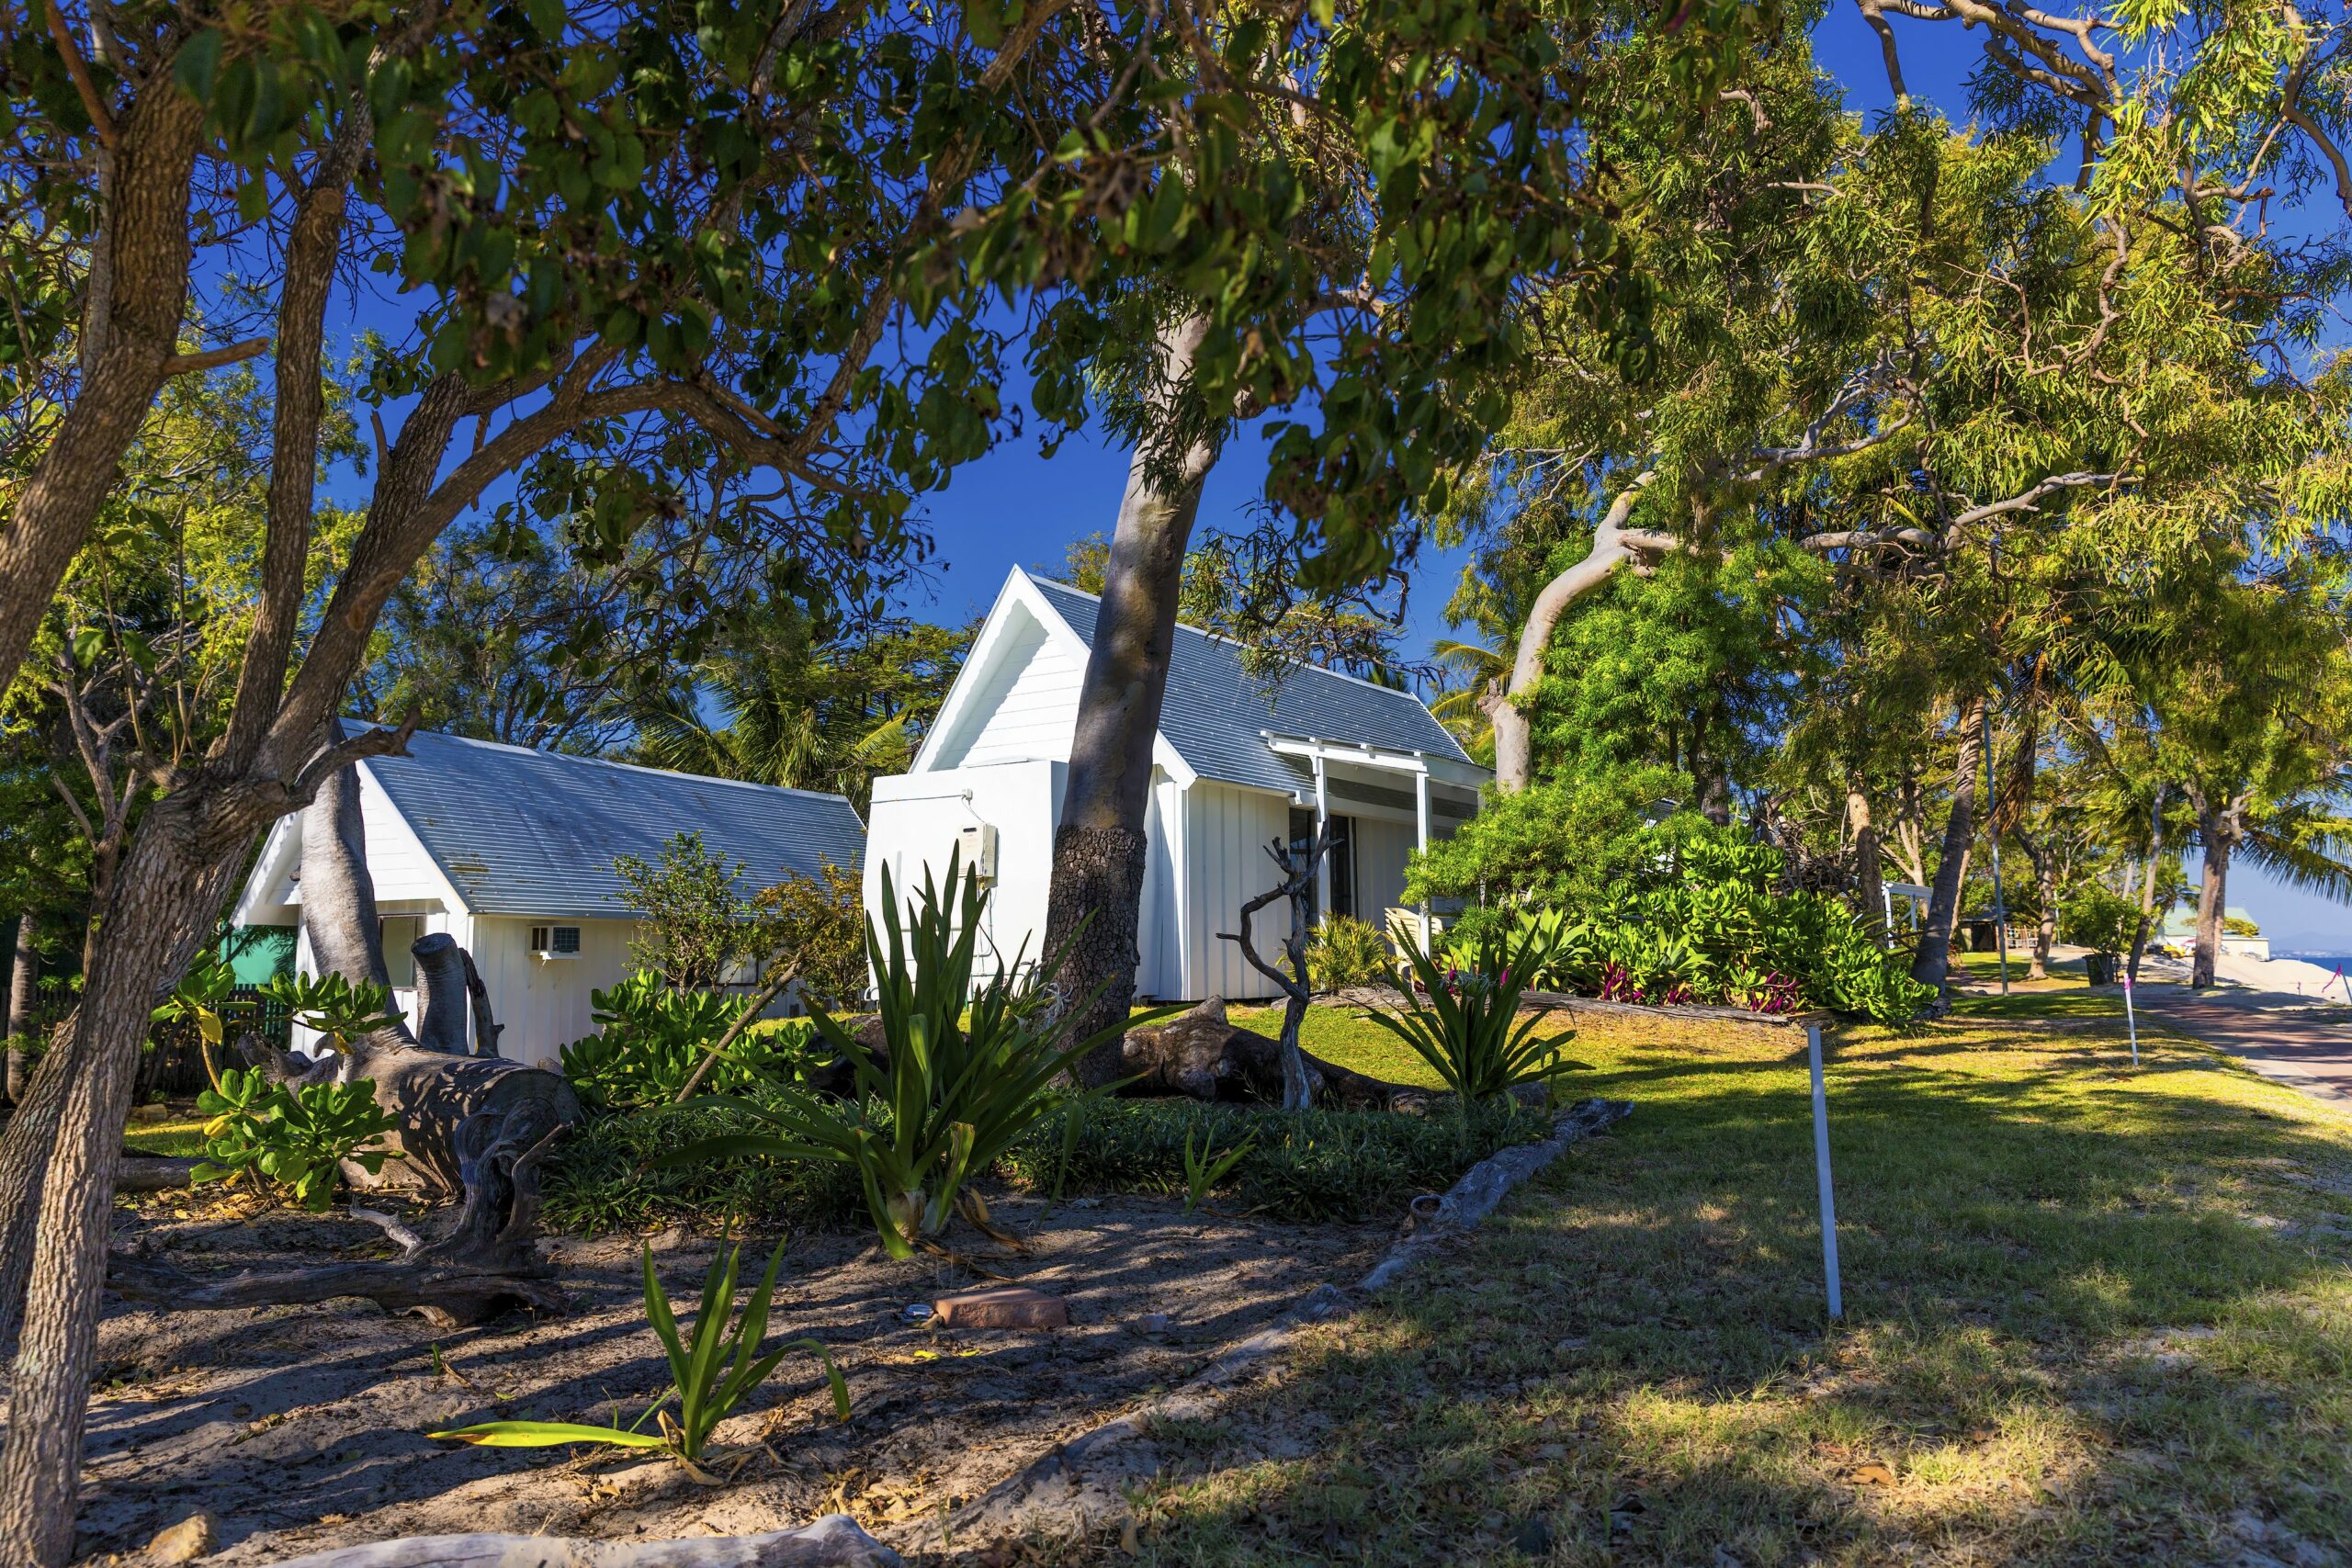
<point>988,648</point>
<point>281,852</point>
<point>1441,770</point>
<point>396,825</point>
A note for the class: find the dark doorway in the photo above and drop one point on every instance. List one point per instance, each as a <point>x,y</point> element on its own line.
<point>1342,859</point>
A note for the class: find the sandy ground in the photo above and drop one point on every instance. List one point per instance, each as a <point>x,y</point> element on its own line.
<point>2288,977</point>
<point>302,1427</point>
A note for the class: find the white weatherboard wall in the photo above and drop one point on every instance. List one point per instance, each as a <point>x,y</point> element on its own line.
<point>544,1002</point>
<point>1226,829</point>
<point>911,828</point>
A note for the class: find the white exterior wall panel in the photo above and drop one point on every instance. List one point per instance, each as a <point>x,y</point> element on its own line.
<point>1226,832</point>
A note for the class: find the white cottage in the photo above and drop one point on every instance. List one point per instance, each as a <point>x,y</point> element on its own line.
<point>511,851</point>
<point>1234,766</point>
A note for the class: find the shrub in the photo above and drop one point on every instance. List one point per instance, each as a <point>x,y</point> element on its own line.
<point>1344,952</point>
<point>963,1081</point>
<point>602,1177</point>
<point>1717,928</point>
<point>1299,1166</point>
<point>818,925</point>
<point>2099,919</point>
<point>693,925</point>
<point>298,1138</point>
<point>1464,1020</point>
<point>654,1037</point>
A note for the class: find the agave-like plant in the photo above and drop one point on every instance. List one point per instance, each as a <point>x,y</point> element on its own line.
<point>1468,1029</point>
<point>711,1371</point>
<point>969,1069</point>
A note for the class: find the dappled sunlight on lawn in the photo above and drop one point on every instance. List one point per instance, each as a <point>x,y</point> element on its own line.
<point>2093,1316</point>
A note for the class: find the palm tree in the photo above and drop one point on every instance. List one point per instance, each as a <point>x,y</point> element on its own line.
<point>1468,708</point>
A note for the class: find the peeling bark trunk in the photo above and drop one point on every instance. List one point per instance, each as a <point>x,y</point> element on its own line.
<point>1933,965</point>
<point>168,892</point>
<point>1612,548</point>
<point>1093,910</point>
<point>24,999</point>
<point>1869,883</point>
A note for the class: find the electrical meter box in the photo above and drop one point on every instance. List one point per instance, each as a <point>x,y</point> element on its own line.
<point>975,844</point>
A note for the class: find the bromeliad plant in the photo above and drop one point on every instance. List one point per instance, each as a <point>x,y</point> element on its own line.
<point>1465,1022</point>
<point>298,1138</point>
<point>712,1371</point>
<point>968,1069</point>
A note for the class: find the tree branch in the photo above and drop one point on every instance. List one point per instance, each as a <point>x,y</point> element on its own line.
<point>213,358</point>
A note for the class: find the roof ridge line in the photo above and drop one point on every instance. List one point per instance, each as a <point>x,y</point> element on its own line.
<point>1229,641</point>
<point>535,752</point>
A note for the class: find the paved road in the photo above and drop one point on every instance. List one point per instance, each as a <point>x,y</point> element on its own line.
<point>2279,1036</point>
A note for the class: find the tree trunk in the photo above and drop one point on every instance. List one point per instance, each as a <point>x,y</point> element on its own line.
<point>2045,882</point>
<point>165,898</point>
<point>133,309</point>
<point>1870,883</point>
<point>2212,891</point>
<point>1612,546</point>
<point>436,1090</point>
<point>24,1001</point>
<point>1933,965</point>
<point>2148,888</point>
<point>1094,907</point>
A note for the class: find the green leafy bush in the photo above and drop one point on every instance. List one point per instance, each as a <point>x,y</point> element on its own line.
<point>1464,1018</point>
<point>1344,952</point>
<point>296,1137</point>
<point>602,1177</point>
<point>711,1371</point>
<point>654,1037</point>
<point>1718,928</point>
<point>340,1011</point>
<point>2100,918</point>
<point>1301,1168</point>
<point>964,1079</point>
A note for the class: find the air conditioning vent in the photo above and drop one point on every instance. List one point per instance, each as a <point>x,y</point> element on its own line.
<point>555,941</point>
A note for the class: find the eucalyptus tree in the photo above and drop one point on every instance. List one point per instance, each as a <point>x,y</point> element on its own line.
<point>1338,218</point>
<point>657,247</point>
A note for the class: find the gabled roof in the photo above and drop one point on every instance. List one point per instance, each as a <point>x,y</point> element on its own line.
<point>525,832</point>
<point>1217,715</point>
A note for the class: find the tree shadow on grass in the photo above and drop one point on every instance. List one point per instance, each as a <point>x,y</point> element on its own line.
<point>2085,1324</point>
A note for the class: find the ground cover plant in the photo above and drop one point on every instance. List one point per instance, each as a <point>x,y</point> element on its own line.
<point>2093,1316</point>
<point>655,1038</point>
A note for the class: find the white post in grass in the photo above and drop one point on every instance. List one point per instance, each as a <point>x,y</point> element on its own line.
<point>2131,1018</point>
<point>1821,1174</point>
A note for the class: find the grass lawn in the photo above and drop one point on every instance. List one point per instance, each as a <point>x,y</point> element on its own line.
<point>185,1139</point>
<point>2092,1316</point>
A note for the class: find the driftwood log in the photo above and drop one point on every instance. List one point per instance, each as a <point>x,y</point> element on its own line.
<point>473,1128</point>
<point>833,1542</point>
<point>1299,877</point>
<point>1204,1055</point>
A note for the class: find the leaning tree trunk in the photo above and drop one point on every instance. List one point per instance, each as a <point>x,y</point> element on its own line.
<point>1933,965</point>
<point>1095,907</point>
<point>2212,893</point>
<point>24,998</point>
<point>1612,545</point>
<point>431,1085</point>
<point>2044,852</point>
<point>131,323</point>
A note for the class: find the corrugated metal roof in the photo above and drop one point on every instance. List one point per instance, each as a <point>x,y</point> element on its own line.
<point>523,833</point>
<point>1217,713</point>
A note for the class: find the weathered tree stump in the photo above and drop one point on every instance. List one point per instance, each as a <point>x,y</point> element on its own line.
<point>1204,1055</point>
